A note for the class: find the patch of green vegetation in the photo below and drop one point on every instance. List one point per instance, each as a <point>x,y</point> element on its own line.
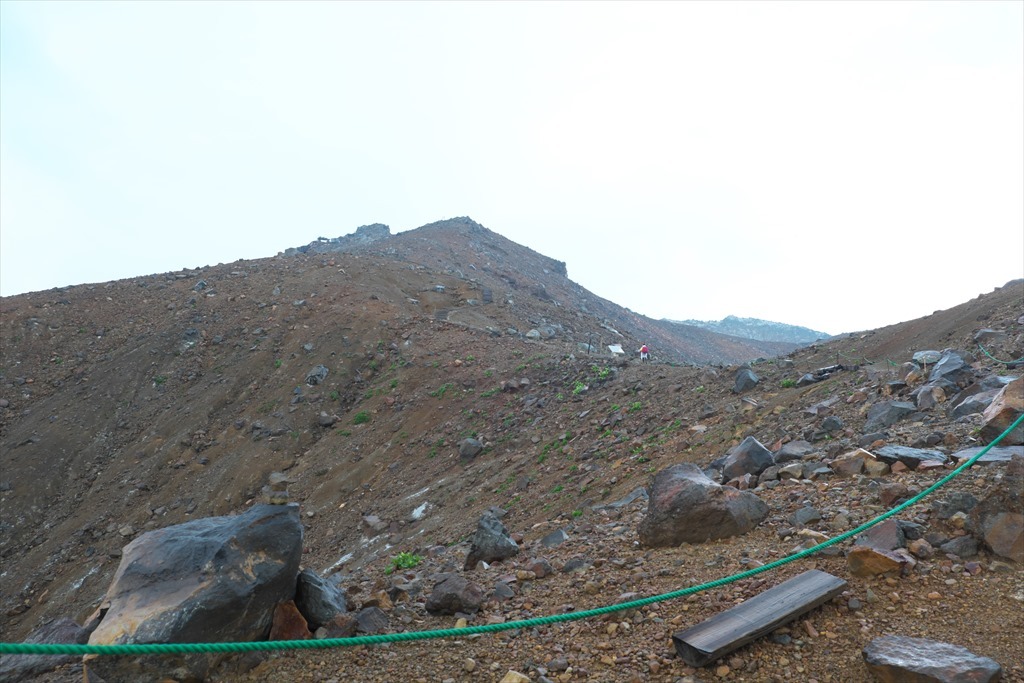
<point>578,388</point>
<point>519,368</point>
<point>577,512</point>
<point>362,417</point>
<point>488,372</point>
<point>433,448</point>
<point>559,397</point>
<point>266,407</point>
<point>634,406</point>
<point>159,380</point>
<point>699,390</point>
<point>788,383</point>
<point>470,359</point>
<point>334,395</point>
<point>404,561</point>
<point>441,390</point>
<point>601,373</point>
<point>555,444</point>
<point>490,392</point>
<point>394,383</point>
<point>277,363</point>
<point>343,432</point>
<point>615,407</point>
<point>557,489</point>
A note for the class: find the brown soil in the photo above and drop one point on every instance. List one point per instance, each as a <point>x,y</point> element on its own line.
<point>139,404</point>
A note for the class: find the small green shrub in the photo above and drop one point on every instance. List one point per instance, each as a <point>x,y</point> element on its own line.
<point>578,388</point>
<point>577,513</point>
<point>334,395</point>
<point>159,380</point>
<point>441,390</point>
<point>788,383</point>
<point>635,406</point>
<point>362,417</point>
<point>404,561</point>
<point>557,489</point>
<point>277,363</point>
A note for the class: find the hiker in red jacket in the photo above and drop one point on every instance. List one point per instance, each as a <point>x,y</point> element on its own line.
<point>645,355</point>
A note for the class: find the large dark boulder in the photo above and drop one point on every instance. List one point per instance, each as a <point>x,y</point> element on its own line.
<point>217,579</point>
<point>687,507</point>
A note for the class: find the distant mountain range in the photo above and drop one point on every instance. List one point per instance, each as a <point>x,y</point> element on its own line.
<point>756,329</point>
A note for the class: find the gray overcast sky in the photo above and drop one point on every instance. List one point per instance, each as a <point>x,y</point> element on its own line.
<point>837,165</point>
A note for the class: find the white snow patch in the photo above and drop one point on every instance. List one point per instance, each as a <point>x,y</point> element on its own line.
<point>417,494</point>
<point>78,584</point>
<point>419,512</point>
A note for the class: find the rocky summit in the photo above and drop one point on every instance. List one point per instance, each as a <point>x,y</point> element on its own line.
<point>384,434</point>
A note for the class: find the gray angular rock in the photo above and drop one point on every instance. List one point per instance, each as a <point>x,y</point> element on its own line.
<point>901,659</point>
<point>317,375</point>
<point>455,594</point>
<point>886,414</point>
<point>998,519</point>
<point>491,542</point>
<point>318,601</point>
<point>911,457</point>
<point>745,380</point>
<point>470,448</point>
<point>14,668</point>
<point>793,450</point>
<point>750,456</point>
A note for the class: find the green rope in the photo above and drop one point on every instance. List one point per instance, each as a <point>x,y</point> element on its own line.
<point>186,648</point>
<point>1004,362</point>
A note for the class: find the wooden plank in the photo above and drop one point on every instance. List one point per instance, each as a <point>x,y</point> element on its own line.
<point>729,630</point>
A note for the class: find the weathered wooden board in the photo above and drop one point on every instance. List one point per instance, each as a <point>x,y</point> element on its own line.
<point>721,634</point>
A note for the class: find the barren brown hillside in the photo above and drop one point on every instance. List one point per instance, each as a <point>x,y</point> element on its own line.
<point>143,403</point>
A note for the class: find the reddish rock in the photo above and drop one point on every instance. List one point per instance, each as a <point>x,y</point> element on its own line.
<point>289,624</point>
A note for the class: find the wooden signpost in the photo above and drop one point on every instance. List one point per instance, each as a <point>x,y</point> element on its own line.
<point>721,634</point>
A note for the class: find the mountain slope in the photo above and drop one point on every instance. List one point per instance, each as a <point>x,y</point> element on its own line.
<point>754,328</point>
<point>138,404</point>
